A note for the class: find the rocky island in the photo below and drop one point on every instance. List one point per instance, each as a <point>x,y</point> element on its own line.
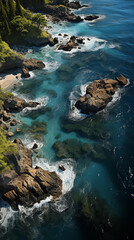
<point>99,94</point>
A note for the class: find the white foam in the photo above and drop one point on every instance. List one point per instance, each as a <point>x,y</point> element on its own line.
<point>74,113</point>
<point>8,216</point>
<point>66,176</point>
<point>42,103</point>
<point>94,44</point>
<point>29,142</point>
<point>25,211</point>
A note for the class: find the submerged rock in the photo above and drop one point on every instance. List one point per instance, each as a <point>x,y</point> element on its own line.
<point>93,212</point>
<point>91,17</point>
<point>92,127</point>
<point>99,93</point>
<point>72,148</point>
<point>26,185</point>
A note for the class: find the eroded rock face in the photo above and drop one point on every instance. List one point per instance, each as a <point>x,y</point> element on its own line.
<point>15,104</point>
<point>99,93</point>
<point>20,62</point>
<point>26,185</point>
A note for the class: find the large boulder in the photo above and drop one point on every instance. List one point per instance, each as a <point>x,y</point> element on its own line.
<point>99,93</point>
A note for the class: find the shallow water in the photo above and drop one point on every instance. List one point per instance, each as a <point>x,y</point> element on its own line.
<point>108,53</point>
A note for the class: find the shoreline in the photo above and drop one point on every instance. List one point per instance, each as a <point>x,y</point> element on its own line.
<point>9,80</point>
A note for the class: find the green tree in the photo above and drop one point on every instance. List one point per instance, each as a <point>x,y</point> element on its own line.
<point>39,19</point>
<point>18,8</point>
<point>7,149</point>
<point>3,13</point>
<point>7,6</point>
<point>11,9</point>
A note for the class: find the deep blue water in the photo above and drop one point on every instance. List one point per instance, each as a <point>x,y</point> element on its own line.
<point>108,53</point>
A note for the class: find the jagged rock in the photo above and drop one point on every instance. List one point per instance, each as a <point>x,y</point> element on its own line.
<point>76,5</point>
<point>10,134</point>
<point>32,64</point>
<point>6,116</point>
<point>71,44</point>
<point>80,40</point>
<point>14,122</point>
<point>61,167</point>
<point>26,185</point>
<point>15,104</point>
<point>18,130</point>
<point>62,12</point>
<point>3,125</point>
<point>53,41</point>
<point>25,73</point>
<point>74,18</point>
<point>35,146</point>
<point>57,11</point>
<point>91,17</point>
<point>21,62</point>
<point>122,80</point>
<point>99,93</point>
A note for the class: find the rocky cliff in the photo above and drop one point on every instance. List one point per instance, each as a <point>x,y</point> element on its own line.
<point>26,185</point>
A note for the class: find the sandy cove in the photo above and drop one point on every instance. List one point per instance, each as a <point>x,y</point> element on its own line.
<point>8,81</point>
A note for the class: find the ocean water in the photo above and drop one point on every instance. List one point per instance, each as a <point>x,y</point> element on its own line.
<point>109,176</point>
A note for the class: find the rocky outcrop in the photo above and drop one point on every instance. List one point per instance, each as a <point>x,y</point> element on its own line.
<point>99,93</point>
<point>20,62</point>
<point>26,185</point>
<point>58,11</point>
<point>15,104</point>
<point>76,5</point>
<point>91,17</point>
<point>61,12</point>
<point>73,43</point>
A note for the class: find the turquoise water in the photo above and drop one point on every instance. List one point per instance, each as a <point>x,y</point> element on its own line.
<point>108,53</point>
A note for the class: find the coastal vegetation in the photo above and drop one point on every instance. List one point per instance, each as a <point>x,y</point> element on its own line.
<point>19,26</point>
<point>7,149</point>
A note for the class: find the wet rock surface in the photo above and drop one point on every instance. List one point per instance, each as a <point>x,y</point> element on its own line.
<point>99,93</point>
<point>73,43</point>
<point>91,17</point>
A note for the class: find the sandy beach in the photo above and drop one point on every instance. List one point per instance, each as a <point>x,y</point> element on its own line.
<point>8,81</point>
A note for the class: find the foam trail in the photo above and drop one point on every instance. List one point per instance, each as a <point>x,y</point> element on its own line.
<point>77,92</point>
<point>66,176</point>
<point>29,142</point>
<point>94,44</point>
<point>42,103</point>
